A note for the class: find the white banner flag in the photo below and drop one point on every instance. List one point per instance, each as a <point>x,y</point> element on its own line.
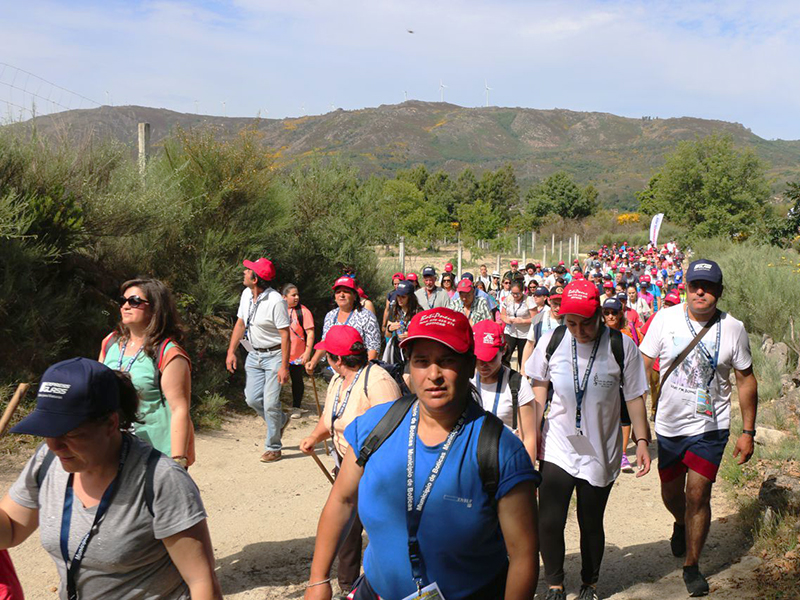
<point>655,227</point>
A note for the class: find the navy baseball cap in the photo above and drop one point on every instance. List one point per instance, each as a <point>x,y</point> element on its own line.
<point>622,297</point>
<point>468,276</point>
<point>429,272</point>
<point>71,392</point>
<point>704,270</point>
<point>541,291</point>
<point>612,304</point>
<point>404,288</point>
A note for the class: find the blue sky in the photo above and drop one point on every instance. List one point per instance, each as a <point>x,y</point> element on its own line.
<point>734,61</point>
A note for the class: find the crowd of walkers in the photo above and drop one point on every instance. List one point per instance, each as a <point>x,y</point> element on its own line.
<point>462,423</point>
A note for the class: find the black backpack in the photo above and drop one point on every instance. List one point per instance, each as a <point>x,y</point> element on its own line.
<point>488,442</point>
<point>395,371</point>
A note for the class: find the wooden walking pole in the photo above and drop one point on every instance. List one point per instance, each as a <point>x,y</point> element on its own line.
<point>22,389</point>
<point>319,410</point>
<point>321,466</point>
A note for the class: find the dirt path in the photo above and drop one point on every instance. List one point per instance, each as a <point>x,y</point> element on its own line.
<point>263,520</point>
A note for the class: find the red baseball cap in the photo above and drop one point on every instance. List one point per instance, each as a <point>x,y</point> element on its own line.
<point>489,339</point>
<point>560,263</point>
<point>363,294</point>
<point>262,267</point>
<point>465,285</point>
<point>412,277</point>
<point>622,269</point>
<point>673,297</point>
<point>645,278</point>
<point>681,286</point>
<point>345,281</point>
<point>339,340</point>
<point>442,325</point>
<point>580,298</point>
<point>660,283</point>
<point>399,276</point>
<point>608,284</point>
<point>515,263</point>
<point>448,268</point>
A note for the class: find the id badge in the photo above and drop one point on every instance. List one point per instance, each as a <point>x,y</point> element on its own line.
<point>246,344</point>
<point>704,405</point>
<point>429,592</point>
<point>582,445</point>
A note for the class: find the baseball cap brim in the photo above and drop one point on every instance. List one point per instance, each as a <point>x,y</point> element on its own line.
<point>461,349</point>
<point>485,353</point>
<point>45,423</point>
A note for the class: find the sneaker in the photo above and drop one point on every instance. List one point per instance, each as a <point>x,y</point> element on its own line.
<point>588,592</point>
<point>555,594</point>
<point>696,584</point>
<point>626,465</point>
<point>271,456</point>
<point>678,540</point>
<point>296,413</point>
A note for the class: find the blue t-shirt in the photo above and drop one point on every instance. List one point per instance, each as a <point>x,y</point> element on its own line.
<point>459,534</point>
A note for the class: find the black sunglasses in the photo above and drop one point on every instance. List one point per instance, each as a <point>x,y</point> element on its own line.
<point>134,301</point>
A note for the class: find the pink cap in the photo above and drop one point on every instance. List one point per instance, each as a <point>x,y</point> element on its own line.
<point>465,285</point>
<point>339,340</point>
<point>442,325</point>
<point>580,298</point>
<point>262,267</point>
<point>489,339</point>
<point>345,281</point>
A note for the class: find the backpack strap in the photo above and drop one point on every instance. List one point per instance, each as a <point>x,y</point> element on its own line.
<point>618,351</point>
<point>385,427</point>
<point>489,455</point>
<point>109,341</point>
<point>150,480</point>
<point>514,382</point>
<point>366,379</point>
<point>555,340</point>
<point>158,363</point>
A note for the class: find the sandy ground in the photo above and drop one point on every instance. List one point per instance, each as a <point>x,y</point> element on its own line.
<point>263,520</point>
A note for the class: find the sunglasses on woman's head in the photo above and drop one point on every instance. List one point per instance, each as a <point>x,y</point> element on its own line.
<point>134,301</point>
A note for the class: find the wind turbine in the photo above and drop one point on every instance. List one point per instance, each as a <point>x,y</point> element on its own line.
<point>441,91</point>
<point>486,86</point>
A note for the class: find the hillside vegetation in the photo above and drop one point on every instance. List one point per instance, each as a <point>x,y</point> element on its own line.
<point>617,154</point>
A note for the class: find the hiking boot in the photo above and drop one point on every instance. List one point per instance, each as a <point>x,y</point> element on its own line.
<point>626,465</point>
<point>678,540</point>
<point>696,584</point>
<point>555,594</point>
<point>588,592</point>
<point>271,456</point>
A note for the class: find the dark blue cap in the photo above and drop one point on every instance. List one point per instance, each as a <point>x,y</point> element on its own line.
<point>404,288</point>
<point>622,297</point>
<point>612,304</point>
<point>429,272</point>
<point>468,276</point>
<point>541,291</point>
<point>704,270</point>
<point>71,392</point>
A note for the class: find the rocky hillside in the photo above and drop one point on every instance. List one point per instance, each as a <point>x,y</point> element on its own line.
<point>617,154</point>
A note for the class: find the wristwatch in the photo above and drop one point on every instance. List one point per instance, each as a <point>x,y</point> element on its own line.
<point>181,460</point>
<point>750,432</point>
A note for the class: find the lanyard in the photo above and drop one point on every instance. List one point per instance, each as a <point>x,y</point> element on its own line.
<point>580,389</point>
<point>131,361</point>
<point>346,321</point>
<point>297,321</point>
<point>66,521</point>
<point>414,512</point>
<point>515,307</point>
<point>497,391</point>
<point>338,411</point>
<point>428,297</point>
<point>713,361</point>
<point>252,313</point>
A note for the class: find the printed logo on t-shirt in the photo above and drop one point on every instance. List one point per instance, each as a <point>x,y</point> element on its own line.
<point>602,382</point>
<point>466,501</point>
<point>695,371</point>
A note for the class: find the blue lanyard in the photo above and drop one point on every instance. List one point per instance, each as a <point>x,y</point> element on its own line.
<point>252,312</point>
<point>414,512</point>
<point>713,361</point>
<point>428,298</point>
<point>66,521</point>
<point>346,321</point>
<point>497,391</point>
<point>338,411</point>
<point>580,389</point>
<point>131,361</point>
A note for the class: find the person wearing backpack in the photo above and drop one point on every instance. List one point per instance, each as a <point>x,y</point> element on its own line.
<point>128,520</point>
<point>448,495</point>
<point>357,386</point>
<point>592,369</point>
<point>502,390</point>
<point>148,344</point>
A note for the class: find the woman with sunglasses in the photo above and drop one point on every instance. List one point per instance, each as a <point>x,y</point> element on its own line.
<point>516,314</point>
<point>147,343</point>
<point>448,284</point>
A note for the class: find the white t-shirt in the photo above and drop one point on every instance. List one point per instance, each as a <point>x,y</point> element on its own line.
<point>516,310</point>
<point>271,314</point>
<point>666,338</point>
<point>488,391</point>
<point>600,409</point>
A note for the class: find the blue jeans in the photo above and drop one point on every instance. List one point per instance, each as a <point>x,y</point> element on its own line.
<point>262,393</point>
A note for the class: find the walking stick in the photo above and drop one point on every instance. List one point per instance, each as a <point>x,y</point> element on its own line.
<point>322,467</point>
<point>22,389</point>
<point>319,413</point>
